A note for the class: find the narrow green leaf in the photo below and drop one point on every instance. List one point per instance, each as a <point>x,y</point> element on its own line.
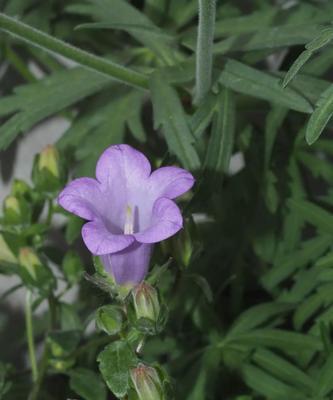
<point>274,121</point>
<point>320,117</point>
<point>257,316</point>
<point>169,114</point>
<point>287,341</point>
<point>222,136</point>
<point>202,117</point>
<point>53,45</point>
<point>306,309</point>
<point>286,266</point>
<point>296,66</point>
<point>270,38</point>
<point>325,378</point>
<point>314,214</point>
<point>283,369</point>
<point>268,386</point>
<point>324,38</point>
<point>247,80</point>
<point>127,27</point>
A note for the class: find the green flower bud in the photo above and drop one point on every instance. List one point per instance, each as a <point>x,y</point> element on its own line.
<point>146,302</point>
<point>6,255</point>
<point>109,319</point>
<point>33,273</point>
<point>47,171</point>
<point>62,365</point>
<point>20,188</point>
<point>16,210</point>
<point>147,383</point>
<point>49,159</point>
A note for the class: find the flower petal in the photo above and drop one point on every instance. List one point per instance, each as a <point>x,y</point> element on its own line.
<point>100,241</point>
<point>171,182</point>
<point>82,197</point>
<point>122,163</point>
<point>166,221</point>
<point>130,265</point>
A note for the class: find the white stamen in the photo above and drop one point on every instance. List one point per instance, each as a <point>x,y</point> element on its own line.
<point>129,222</point>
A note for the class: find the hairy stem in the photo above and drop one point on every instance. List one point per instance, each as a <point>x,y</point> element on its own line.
<point>204,54</point>
<point>40,39</point>
<point>30,336</point>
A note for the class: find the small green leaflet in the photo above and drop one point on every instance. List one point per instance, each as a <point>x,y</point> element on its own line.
<point>250,81</point>
<point>320,117</point>
<point>169,114</point>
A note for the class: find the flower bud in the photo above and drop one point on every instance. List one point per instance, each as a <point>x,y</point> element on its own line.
<point>30,261</point>
<point>6,255</point>
<point>33,273</point>
<point>20,188</point>
<point>109,319</point>
<point>46,173</point>
<point>147,383</point>
<point>15,210</point>
<point>146,302</point>
<point>49,159</point>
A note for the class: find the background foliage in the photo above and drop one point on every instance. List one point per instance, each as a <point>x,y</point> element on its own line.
<point>249,282</point>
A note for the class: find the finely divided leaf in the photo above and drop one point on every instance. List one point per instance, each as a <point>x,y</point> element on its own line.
<point>39,100</point>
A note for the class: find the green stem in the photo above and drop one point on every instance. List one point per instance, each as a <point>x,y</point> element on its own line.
<point>40,39</point>
<point>42,370</point>
<point>204,54</point>
<point>49,212</point>
<point>30,336</point>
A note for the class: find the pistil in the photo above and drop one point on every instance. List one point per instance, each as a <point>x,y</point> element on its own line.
<point>129,221</point>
